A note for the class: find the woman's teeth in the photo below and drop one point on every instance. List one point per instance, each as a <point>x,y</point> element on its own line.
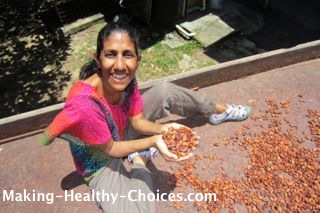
<point>119,76</point>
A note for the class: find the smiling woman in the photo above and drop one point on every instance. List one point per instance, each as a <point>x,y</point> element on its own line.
<point>105,113</point>
<point>117,61</point>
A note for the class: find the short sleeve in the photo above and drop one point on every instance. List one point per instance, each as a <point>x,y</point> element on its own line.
<point>136,102</point>
<point>83,118</point>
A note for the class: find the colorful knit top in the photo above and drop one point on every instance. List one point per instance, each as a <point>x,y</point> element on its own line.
<point>87,118</point>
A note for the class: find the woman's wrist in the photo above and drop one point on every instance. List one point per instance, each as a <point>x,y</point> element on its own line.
<point>164,127</point>
<point>154,139</point>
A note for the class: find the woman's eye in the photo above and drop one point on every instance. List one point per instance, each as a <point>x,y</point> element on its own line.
<point>128,55</point>
<point>109,55</point>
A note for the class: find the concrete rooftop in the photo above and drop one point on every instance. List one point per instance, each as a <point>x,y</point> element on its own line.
<point>28,165</point>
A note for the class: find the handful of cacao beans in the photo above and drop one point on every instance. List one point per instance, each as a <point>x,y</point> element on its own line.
<point>180,141</point>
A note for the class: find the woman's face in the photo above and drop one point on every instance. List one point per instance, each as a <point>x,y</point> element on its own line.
<point>118,61</point>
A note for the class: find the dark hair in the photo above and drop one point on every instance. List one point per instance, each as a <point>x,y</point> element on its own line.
<point>90,67</point>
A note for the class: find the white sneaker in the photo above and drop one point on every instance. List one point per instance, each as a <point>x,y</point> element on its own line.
<point>152,152</point>
<point>233,113</point>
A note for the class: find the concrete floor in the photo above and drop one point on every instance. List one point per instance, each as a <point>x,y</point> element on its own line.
<point>30,166</point>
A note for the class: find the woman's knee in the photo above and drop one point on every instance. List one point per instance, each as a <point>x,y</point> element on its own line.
<point>162,89</point>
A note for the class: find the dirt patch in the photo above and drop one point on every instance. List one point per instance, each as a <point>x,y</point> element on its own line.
<point>82,48</point>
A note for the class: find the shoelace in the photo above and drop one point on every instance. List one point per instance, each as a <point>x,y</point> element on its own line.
<point>236,111</point>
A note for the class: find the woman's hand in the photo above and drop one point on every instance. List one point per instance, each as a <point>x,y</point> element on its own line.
<point>165,153</point>
<point>166,126</point>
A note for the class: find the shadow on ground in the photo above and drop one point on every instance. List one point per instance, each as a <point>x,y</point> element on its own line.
<point>259,29</point>
<point>71,181</point>
<point>31,57</point>
<point>30,61</point>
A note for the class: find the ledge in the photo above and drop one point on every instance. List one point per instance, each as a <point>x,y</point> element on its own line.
<point>81,24</point>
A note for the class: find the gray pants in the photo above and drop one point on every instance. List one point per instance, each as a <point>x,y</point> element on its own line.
<point>166,98</point>
<point>159,101</point>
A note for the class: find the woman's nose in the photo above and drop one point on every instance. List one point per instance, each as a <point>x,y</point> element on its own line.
<point>120,63</point>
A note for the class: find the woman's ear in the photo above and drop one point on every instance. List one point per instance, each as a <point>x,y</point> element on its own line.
<point>138,62</point>
<point>98,63</point>
<point>96,60</point>
<point>139,58</point>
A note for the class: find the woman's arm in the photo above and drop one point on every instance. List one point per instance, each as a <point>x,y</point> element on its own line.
<point>120,149</point>
<point>124,148</point>
<point>144,126</point>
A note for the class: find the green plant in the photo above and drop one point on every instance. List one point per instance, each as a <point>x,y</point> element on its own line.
<point>160,60</point>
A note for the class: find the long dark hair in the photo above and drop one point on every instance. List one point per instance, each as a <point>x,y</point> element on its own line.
<point>90,68</point>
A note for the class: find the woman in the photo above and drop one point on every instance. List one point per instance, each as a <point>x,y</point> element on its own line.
<point>104,114</point>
